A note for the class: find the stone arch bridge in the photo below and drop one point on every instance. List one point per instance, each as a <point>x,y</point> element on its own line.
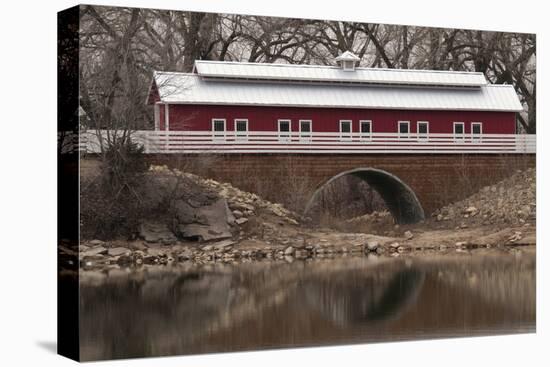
<point>412,185</point>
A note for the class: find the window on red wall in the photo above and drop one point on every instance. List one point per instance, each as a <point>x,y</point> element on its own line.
<point>458,130</point>
<point>476,131</point>
<point>365,128</point>
<point>345,129</point>
<point>218,128</point>
<point>284,130</point>
<point>305,129</point>
<point>422,130</point>
<point>404,128</point>
<point>241,129</point>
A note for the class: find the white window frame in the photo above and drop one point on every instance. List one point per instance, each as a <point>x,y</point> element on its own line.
<point>307,135</point>
<point>285,136</point>
<point>219,135</point>
<point>476,138</point>
<point>365,136</point>
<point>240,135</point>
<point>401,135</point>
<point>456,136</point>
<point>424,136</point>
<point>345,135</point>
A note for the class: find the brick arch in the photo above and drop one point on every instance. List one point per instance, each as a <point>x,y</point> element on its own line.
<point>400,199</point>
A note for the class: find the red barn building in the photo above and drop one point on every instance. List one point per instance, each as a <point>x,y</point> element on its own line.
<point>250,107</point>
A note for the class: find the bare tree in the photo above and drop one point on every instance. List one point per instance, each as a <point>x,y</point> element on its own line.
<point>120,48</point>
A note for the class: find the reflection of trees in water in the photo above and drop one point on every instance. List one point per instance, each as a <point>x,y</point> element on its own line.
<point>499,281</point>
<point>136,318</point>
<point>231,308</point>
<point>352,297</point>
<point>161,314</point>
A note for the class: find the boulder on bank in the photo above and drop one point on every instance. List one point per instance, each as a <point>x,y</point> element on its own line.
<point>213,224</point>
<point>203,223</point>
<point>156,232</point>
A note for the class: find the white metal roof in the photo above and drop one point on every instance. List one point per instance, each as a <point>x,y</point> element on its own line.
<point>335,74</point>
<point>192,89</point>
<point>348,56</point>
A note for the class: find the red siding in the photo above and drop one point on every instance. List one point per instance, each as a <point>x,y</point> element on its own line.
<point>199,117</point>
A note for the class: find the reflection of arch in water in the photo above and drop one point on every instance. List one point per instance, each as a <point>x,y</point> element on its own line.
<point>398,196</point>
<point>363,300</point>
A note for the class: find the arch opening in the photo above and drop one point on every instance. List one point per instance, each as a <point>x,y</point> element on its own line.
<point>399,198</point>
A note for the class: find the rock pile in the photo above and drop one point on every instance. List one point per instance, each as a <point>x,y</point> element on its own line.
<point>511,201</point>
<point>95,255</point>
<point>377,222</point>
<point>382,216</point>
<point>244,204</point>
<point>205,210</point>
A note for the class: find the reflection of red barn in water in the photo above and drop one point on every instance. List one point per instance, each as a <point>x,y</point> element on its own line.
<point>252,107</point>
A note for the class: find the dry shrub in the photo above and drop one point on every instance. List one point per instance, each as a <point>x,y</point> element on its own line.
<point>111,202</point>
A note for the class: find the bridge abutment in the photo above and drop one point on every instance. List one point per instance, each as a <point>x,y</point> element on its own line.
<point>435,179</point>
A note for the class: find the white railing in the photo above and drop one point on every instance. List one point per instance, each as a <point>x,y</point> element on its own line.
<point>317,142</point>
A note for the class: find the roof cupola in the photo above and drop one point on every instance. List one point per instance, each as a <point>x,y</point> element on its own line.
<point>347,61</point>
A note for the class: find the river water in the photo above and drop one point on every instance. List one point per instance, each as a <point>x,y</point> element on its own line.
<point>187,309</point>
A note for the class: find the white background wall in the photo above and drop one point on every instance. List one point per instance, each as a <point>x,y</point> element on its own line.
<point>28,183</point>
